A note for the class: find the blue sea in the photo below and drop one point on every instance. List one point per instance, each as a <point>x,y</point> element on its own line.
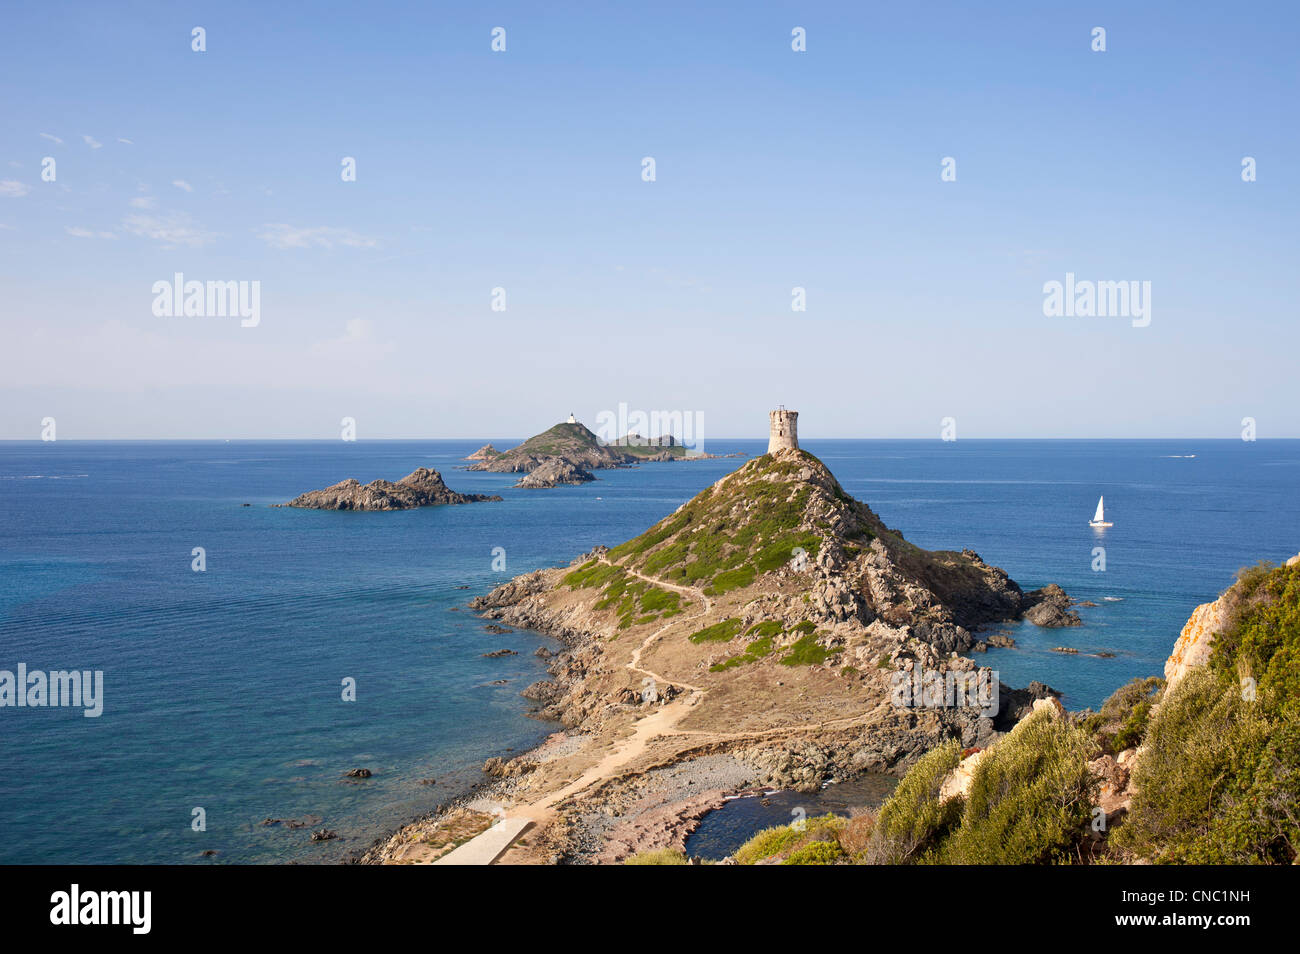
<point>223,688</point>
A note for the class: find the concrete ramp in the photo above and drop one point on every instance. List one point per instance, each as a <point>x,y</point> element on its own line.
<point>487,847</point>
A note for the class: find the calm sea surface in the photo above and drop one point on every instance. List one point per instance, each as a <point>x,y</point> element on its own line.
<point>223,688</point>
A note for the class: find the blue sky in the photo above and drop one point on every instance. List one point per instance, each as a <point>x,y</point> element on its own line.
<point>522,170</point>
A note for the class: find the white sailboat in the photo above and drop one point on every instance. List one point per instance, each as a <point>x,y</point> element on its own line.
<point>1099,518</point>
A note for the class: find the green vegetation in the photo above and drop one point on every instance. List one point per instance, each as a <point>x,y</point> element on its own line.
<point>591,573</point>
<point>724,538</point>
<point>815,853</point>
<point>659,856</point>
<point>558,440</point>
<point>727,580</point>
<point>912,821</point>
<point>635,601</point>
<point>718,632</point>
<point>753,653</point>
<point>1030,800</point>
<point>806,652</point>
<point>1122,720</point>
<point>1219,779</point>
<point>827,840</point>
<point>768,842</point>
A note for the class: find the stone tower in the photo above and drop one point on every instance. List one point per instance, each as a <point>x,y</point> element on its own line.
<point>783,430</point>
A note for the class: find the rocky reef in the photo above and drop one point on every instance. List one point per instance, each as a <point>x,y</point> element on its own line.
<point>421,488</point>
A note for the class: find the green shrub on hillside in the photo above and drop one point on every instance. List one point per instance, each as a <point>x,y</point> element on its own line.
<point>1122,720</point>
<point>815,853</point>
<point>1219,777</point>
<point>658,856</point>
<point>814,842</point>
<point>806,652</point>
<point>718,632</point>
<point>1030,800</point>
<point>912,821</point>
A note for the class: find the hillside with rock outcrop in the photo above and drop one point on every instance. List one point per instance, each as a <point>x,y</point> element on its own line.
<point>420,488</point>
<point>774,599</point>
<point>1201,767</point>
<point>555,471</point>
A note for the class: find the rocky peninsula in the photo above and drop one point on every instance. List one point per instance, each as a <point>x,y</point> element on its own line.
<point>757,636</point>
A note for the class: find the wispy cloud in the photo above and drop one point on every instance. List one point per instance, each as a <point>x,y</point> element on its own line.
<point>52,138</point>
<point>172,229</point>
<point>91,141</point>
<point>127,141</point>
<point>144,202</point>
<point>79,232</point>
<point>13,189</point>
<point>280,235</point>
<point>182,184</point>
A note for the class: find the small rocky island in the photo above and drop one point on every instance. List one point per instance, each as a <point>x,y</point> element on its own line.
<point>421,488</point>
<point>569,442</point>
<point>569,451</point>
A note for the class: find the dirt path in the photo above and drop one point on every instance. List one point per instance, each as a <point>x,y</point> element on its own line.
<point>660,723</point>
<point>634,664</point>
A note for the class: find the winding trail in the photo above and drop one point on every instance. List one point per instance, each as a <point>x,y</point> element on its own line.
<point>484,850</point>
<point>487,847</point>
<point>634,664</point>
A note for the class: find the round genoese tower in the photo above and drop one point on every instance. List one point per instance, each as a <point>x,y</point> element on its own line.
<point>783,430</point>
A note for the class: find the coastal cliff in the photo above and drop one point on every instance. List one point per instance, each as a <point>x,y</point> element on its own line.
<point>420,488</point>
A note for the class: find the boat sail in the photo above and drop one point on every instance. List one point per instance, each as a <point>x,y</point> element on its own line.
<point>1099,518</point>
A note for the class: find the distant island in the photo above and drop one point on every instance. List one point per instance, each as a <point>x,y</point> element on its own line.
<point>570,442</point>
<point>569,451</point>
<point>420,488</point>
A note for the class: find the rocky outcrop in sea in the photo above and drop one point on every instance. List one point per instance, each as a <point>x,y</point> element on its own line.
<point>421,488</point>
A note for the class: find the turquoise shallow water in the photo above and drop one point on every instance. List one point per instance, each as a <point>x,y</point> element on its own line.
<point>223,687</point>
